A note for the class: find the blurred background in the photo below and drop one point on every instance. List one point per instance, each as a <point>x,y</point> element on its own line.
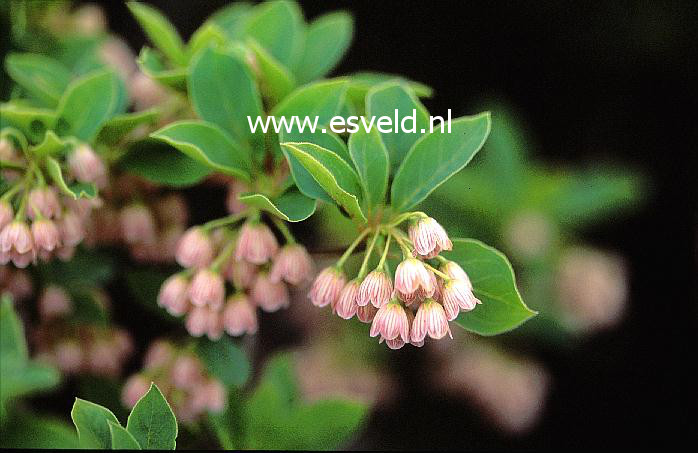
<point>587,183</point>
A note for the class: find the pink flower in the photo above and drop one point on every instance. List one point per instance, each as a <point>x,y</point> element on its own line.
<point>430,320</point>
<point>173,295</point>
<point>102,359</point>
<point>326,287</point>
<point>376,289</point>
<point>54,303</point>
<point>239,316</point>
<point>454,271</point>
<point>346,304</point>
<point>366,313</point>
<point>395,343</point>
<point>86,166</point>
<point>241,273</point>
<point>17,244</point>
<point>256,243</point>
<point>391,322</point>
<point>216,395</point>
<point>412,276</point>
<point>197,321</point>
<point>71,228</point>
<point>458,293</point>
<point>207,288</point>
<point>269,296</point>
<point>429,238</point>
<point>135,387</point>
<point>46,235</point>
<point>195,249</point>
<point>159,354</point>
<point>235,189</point>
<point>292,264</point>
<point>68,356</point>
<point>138,225</point>
<point>214,325</point>
<point>6,213</point>
<point>45,201</point>
<point>186,372</point>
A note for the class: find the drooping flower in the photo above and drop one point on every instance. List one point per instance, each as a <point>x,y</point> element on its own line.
<point>214,324</point>
<point>455,272</point>
<point>87,166</point>
<point>186,372</point>
<point>412,278</point>
<point>72,230</point>
<point>207,288</point>
<point>326,287</point>
<point>429,238</point>
<point>239,316</point>
<point>292,264</point>
<point>346,305</point>
<point>391,322</point>
<point>430,320</point>
<point>256,243</point>
<point>46,235</point>
<point>174,295</point>
<point>269,296</point>
<point>366,313</point>
<point>6,213</point>
<point>458,293</point>
<point>17,244</point>
<point>45,201</point>
<point>138,225</point>
<point>135,387</point>
<point>241,273</point>
<point>197,321</point>
<point>232,203</point>
<point>54,303</point>
<point>159,354</point>
<point>376,289</point>
<point>195,249</point>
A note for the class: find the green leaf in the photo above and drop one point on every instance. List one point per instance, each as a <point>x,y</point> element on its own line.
<point>291,206</point>
<point>144,285</point>
<point>88,103</point>
<point>208,144</point>
<point>362,82</point>
<point>493,280</point>
<point>150,62</point>
<point>76,190</point>
<point>114,129</point>
<point>232,19</point>
<point>160,32</point>
<point>52,144</point>
<point>223,92</point>
<point>161,163</point>
<point>384,100</point>
<point>224,360</point>
<point>279,27</point>
<point>436,157</point>
<point>87,269</point>
<point>31,121</point>
<point>122,439</point>
<point>26,429</point>
<point>327,424</point>
<point>332,173</point>
<point>323,99</point>
<point>208,34</point>
<point>276,80</point>
<point>326,41</point>
<point>152,422</point>
<point>13,346</point>
<point>370,158</point>
<point>92,423</point>
<point>41,76</point>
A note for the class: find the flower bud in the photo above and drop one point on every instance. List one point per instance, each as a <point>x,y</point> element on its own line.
<point>239,316</point>
<point>173,295</point>
<point>17,244</point>
<point>46,235</point>
<point>194,249</point>
<point>256,243</point>
<point>87,166</point>
<point>269,296</point>
<point>326,287</point>
<point>292,264</point>
<point>145,92</point>
<point>45,201</point>
<point>235,188</point>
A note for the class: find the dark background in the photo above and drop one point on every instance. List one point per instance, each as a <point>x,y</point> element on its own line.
<point>593,80</point>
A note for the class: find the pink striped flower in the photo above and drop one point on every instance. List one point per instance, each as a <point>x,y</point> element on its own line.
<point>174,295</point>
<point>393,344</point>
<point>430,320</point>
<point>195,249</point>
<point>159,354</point>
<point>269,296</point>
<point>197,321</point>
<point>256,243</point>
<point>6,214</point>
<point>326,287</point>
<point>207,288</point>
<point>86,166</point>
<point>376,289</point>
<point>413,279</point>
<point>458,293</point>
<point>72,229</point>
<point>214,324</point>
<point>292,264</point>
<point>241,273</point>
<point>46,235</point>
<point>239,316</point>
<point>187,372</point>
<point>346,305</point>
<point>45,201</point>
<point>366,313</point>
<point>455,272</point>
<point>138,225</point>
<point>17,244</point>
<point>429,238</point>
<point>391,322</point>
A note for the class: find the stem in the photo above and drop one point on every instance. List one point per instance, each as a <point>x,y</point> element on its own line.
<point>367,256</point>
<point>351,248</point>
<point>406,252</point>
<point>11,192</point>
<point>381,263</point>
<point>223,256</point>
<point>402,217</point>
<point>283,228</point>
<point>216,223</point>
<point>12,165</point>
<point>437,272</point>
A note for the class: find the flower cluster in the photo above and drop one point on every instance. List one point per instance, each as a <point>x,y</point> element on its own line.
<point>16,282</point>
<point>418,302</point>
<point>248,259</point>
<point>77,348</point>
<point>182,378</point>
<point>36,219</point>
